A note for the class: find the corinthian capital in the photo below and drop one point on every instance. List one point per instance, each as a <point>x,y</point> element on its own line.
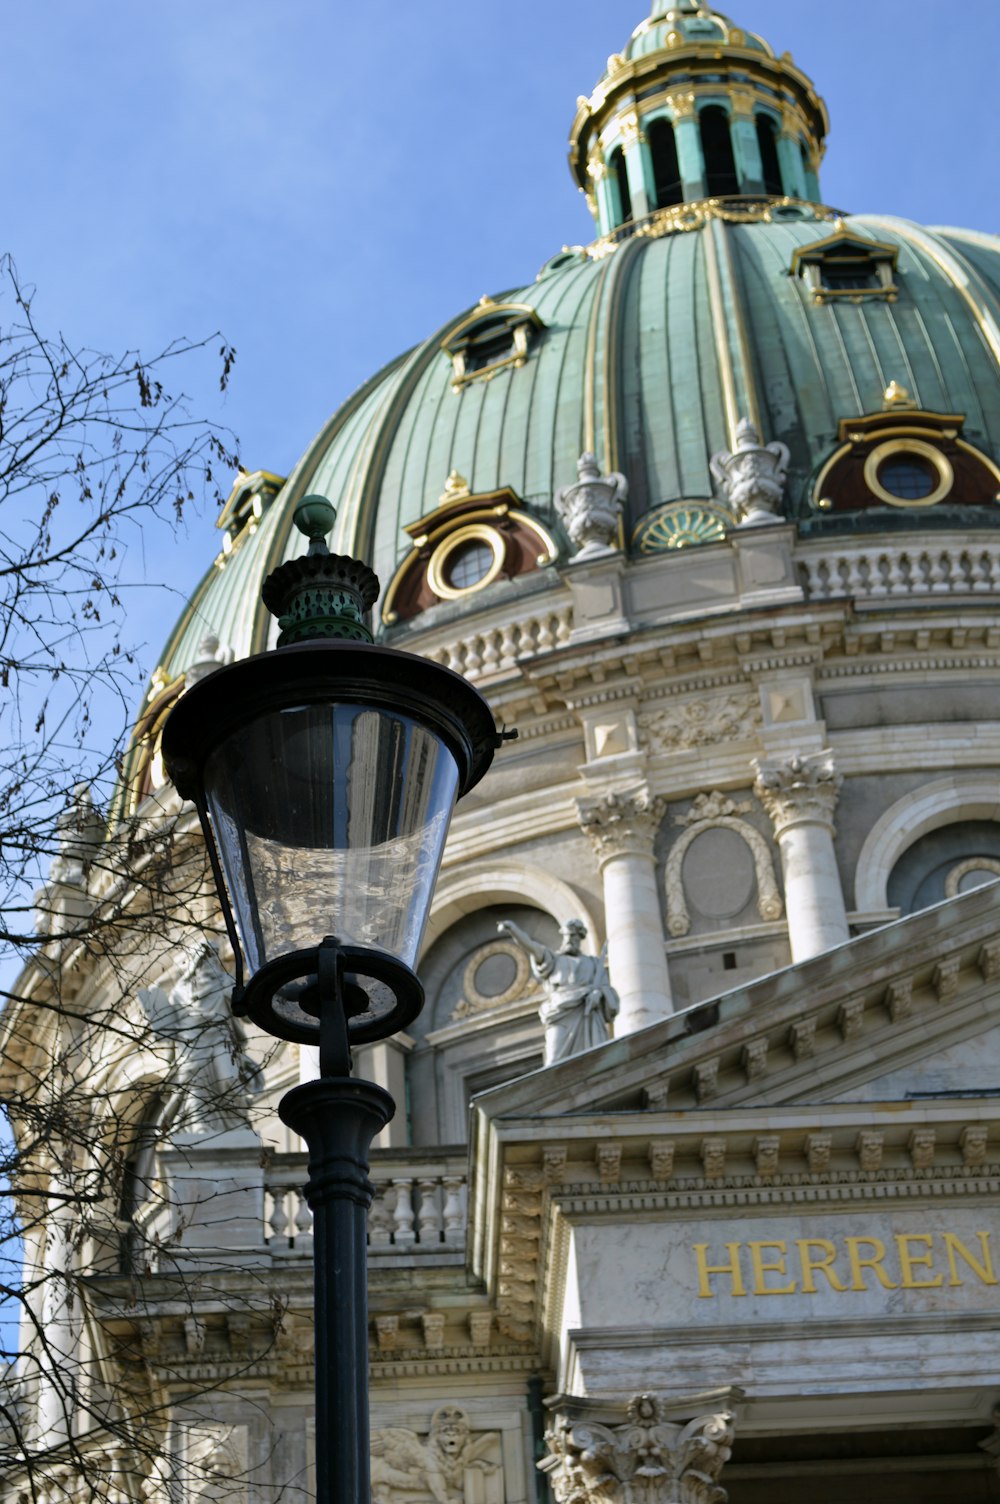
<point>648,1458</point>
<point>622,823</point>
<point>798,789</point>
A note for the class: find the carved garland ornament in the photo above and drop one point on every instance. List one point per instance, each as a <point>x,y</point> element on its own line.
<point>648,1460</point>
<point>700,723</point>
<point>716,812</point>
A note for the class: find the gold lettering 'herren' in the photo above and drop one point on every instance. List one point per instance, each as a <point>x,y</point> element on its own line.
<point>804,1266</point>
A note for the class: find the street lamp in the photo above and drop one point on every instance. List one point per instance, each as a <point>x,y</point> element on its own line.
<point>324,774</point>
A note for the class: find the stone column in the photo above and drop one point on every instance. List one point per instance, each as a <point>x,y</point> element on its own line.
<point>652,1455</point>
<point>800,794</point>
<point>622,827</point>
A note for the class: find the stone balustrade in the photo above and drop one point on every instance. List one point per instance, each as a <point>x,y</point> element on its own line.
<point>914,567</point>
<point>420,1206</point>
<point>499,648</point>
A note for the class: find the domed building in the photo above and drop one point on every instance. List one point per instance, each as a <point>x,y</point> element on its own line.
<point>709,513</point>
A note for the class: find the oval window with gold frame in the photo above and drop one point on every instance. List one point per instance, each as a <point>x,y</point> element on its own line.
<point>908,472</point>
<point>466,561</point>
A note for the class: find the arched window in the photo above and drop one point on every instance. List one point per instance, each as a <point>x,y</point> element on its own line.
<point>621,177</point>
<point>666,168</point>
<point>136,1181</point>
<point>768,144</point>
<point>717,149</point>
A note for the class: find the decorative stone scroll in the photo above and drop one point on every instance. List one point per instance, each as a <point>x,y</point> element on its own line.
<point>752,477</point>
<point>798,790</point>
<point>623,822</point>
<point>451,1465</point>
<point>590,510</point>
<point>647,1458</point>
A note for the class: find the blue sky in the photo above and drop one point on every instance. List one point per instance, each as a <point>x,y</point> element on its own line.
<point>327,182</point>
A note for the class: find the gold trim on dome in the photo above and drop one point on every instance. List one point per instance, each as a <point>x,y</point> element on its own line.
<point>473,532</point>
<point>735,210</point>
<point>923,450</point>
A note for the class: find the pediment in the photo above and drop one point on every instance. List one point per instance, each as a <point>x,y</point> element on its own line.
<point>913,1003</point>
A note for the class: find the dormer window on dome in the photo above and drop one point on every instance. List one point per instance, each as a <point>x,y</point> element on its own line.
<point>252,493</point>
<point>845,265</point>
<point>463,546</point>
<point>493,336</point>
<point>905,457</point>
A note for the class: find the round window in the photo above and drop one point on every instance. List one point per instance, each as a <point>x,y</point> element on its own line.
<point>908,472</point>
<point>908,476</point>
<point>468,564</point>
<point>467,560</point>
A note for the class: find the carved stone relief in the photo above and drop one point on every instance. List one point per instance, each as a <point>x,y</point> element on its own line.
<point>701,723</point>
<point>647,1459</point>
<point>451,1464</point>
<point>716,811</point>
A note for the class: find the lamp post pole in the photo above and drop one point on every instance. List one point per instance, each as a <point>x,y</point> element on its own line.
<point>338,1118</point>
<point>324,774</point>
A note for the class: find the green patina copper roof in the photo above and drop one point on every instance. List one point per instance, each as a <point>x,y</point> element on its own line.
<point>647,356</point>
<point>673,22</point>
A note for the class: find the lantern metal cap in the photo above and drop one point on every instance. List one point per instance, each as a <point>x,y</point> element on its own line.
<point>322,671</point>
<point>320,596</point>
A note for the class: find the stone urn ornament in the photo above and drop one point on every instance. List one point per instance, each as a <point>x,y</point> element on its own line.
<point>590,510</point>
<point>752,477</point>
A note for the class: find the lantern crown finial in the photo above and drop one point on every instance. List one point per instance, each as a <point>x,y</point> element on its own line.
<point>320,595</point>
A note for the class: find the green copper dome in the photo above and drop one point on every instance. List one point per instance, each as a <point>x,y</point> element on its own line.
<point>673,23</point>
<point>648,355</point>
<point>656,349</point>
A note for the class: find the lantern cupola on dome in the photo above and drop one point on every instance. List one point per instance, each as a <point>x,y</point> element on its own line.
<point>695,108</point>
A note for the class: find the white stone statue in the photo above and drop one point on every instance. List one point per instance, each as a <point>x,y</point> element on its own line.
<point>62,904</point>
<point>211,1069</point>
<point>752,477</point>
<point>590,509</point>
<point>580,1003</point>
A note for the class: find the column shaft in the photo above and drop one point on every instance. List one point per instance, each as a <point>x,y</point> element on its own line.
<point>800,795</point>
<point>622,828</point>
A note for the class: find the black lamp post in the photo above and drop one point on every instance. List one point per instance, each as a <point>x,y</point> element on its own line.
<point>325,774</point>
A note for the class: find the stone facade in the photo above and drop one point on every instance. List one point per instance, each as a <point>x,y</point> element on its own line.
<point>746,1248</point>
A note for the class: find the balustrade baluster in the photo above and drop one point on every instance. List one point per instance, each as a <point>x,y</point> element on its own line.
<point>278,1221</point>
<point>429,1220</point>
<point>896,574</point>
<point>380,1221</point>
<point>402,1216</point>
<point>508,646</point>
<point>454,1210</point>
<point>941,573</point>
<point>303,1223</point>
<point>878,575</point>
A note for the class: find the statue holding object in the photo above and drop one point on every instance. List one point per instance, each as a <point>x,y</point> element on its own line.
<point>580,1003</point>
